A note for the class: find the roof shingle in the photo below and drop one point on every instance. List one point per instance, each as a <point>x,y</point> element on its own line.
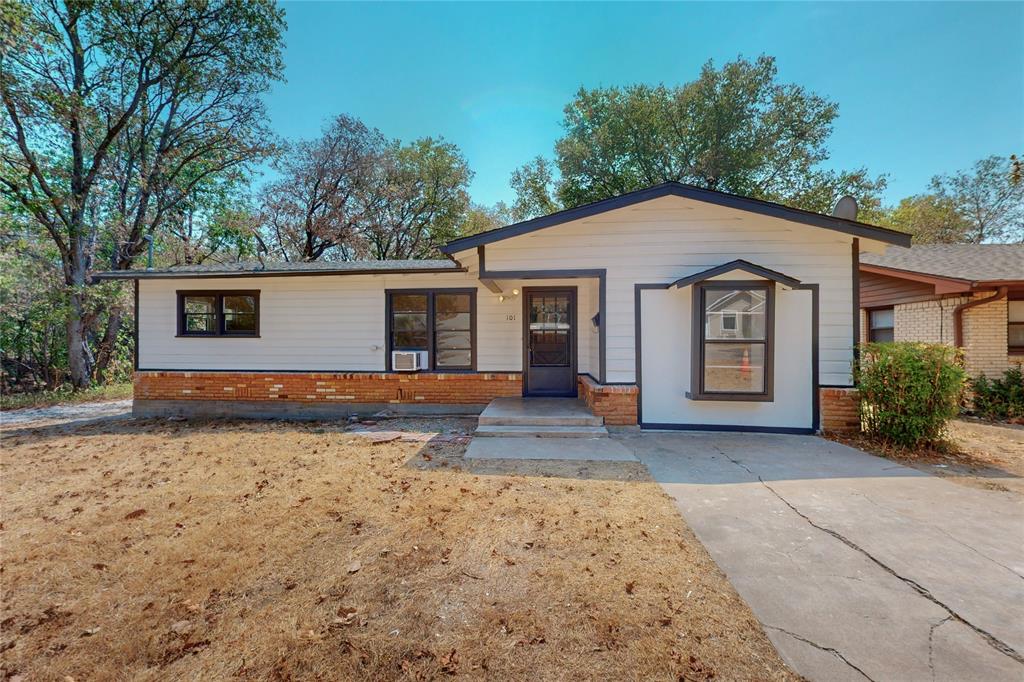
<point>972,262</point>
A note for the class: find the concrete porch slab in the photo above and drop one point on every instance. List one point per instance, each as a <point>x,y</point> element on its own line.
<point>585,449</point>
<point>538,412</point>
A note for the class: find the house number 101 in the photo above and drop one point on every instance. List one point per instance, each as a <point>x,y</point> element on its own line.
<point>511,317</point>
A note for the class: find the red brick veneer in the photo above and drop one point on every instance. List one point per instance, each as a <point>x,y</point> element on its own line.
<point>327,387</point>
<point>617,404</point>
<point>839,409</point>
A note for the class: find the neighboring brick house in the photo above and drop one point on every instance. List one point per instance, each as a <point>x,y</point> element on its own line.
<point>967,295</point>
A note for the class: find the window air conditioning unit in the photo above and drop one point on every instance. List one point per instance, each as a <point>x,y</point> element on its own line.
<point>408,360</point>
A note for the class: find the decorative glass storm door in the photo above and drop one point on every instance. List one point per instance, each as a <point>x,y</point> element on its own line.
<point>550,341</point>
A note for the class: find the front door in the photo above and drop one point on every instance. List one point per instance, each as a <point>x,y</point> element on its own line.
<point>549,316</point>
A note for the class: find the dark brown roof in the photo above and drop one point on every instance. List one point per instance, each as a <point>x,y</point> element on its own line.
<point>361,267</point>
<point>969,262</point>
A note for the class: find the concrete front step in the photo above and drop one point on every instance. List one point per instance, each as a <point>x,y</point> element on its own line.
<point>535,431</point>
<point>542,412</point>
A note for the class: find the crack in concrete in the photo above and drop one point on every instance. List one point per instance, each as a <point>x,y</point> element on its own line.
<point>992,640</point>
<point>941,530</point>
<point>931,643</point>
<point>827,649</point>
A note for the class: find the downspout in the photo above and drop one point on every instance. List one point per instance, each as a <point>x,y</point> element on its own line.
<point>958,313</point>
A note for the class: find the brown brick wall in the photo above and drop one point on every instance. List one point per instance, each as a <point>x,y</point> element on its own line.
<point>327,387</point>
<point>839,409</point>
<point>617,404</point>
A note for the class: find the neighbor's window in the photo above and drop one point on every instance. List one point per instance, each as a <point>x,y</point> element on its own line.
<point>881,324</point>
<point>733,341</point>
<point>440,322</point>
<point>218,313</point>
<point>1015,326</point>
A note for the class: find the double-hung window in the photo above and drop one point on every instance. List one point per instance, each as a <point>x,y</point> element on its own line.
<point>218,313</point>
<point>732,338</point>
<point>1015,325</point>
<point>441,322</point>
<point>881,325</point>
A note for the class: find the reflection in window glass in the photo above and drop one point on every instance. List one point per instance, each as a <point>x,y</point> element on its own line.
<point>200,315</point>
<point>239,314</point>
<point>734,368</point>
<point>734,340</point>
<point>735,314</point>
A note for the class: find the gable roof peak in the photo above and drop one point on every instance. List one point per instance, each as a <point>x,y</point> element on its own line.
<point>673,188</point>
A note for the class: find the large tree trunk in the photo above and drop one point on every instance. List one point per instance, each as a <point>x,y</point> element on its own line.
<point>78,354</point>
<point>105,352</point>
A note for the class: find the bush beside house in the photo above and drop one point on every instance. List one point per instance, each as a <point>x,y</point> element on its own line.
<point>909,391</point>
<point>999,399</point>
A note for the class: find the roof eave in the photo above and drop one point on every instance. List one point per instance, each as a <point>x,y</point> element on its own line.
<point>143,274</point>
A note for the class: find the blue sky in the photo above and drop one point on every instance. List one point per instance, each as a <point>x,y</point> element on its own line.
<point>922,88</point>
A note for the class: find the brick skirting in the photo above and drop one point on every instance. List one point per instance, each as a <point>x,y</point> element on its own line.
<point>839,409</point>
<point>328,387</point>
<point>617,404</point>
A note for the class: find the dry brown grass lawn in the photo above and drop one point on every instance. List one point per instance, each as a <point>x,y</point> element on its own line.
<point>166,550</point>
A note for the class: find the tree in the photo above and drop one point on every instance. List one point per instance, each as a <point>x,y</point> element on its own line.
<point>485,218</point>
<point>418,201</point>
<point>114,111</point>
<point>930,218</point>
<point>320,203</point>
<point>734,129</point>
<point>987,198</point>
<point>534,186</point>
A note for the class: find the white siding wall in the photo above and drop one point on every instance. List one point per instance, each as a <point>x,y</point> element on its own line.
<point>336,323</point>
<point>665,239</point>
<point>666,353</point>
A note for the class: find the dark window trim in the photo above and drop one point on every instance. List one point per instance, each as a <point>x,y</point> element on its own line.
<point>219,294</point>
<point>430,292</point>
<point>697,390</point>
<point>872,328</point>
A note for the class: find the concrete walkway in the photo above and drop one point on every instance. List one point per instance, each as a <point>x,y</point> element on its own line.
<point>857,567</point>
<point>63,414</point>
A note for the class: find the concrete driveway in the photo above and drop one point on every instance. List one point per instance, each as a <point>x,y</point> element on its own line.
<point>857,567</point>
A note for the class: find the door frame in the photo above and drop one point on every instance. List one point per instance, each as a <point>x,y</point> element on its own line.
<point>573,291</point>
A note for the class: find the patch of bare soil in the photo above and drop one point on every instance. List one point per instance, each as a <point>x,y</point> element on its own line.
<point>213,550</point>
<point>978,454</point>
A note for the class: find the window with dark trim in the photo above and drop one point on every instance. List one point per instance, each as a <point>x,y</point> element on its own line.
<point>1015,324</point>
<point>733,335</point>
<point>441,322</point>
<point>219,313</point>
<point>881,325</point>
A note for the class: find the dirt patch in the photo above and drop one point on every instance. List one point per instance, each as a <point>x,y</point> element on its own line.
<point>151,549</point>
<point>978,454</point>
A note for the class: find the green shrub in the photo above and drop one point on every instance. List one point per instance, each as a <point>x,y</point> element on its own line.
<point>909,391</point>
<point>999,399</point>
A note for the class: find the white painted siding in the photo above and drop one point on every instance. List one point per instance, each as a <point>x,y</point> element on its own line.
<point>666,353</point>
<point>668,238</point>
<point>336,323</point>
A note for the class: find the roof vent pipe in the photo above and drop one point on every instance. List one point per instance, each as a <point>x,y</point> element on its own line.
<point>846,208</point>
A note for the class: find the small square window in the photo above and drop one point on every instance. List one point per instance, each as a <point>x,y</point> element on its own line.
<point>881,325</point>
